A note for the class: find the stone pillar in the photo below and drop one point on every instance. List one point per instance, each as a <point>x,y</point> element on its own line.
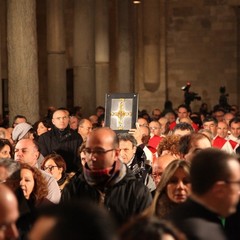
<point>22,59</point>
<point>84,56</point>
<point>102,51</point>
<point>121,79</point>
<point>56,54</point>
<point>1,91</point>
<point>124,57</point>
<point>238,56</point>
<point>151,49</point>
<point>3,56</point>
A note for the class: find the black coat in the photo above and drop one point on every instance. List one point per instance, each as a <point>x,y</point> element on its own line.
<point>197,222</point>
<point>64,143</point>
<point>126,198</point>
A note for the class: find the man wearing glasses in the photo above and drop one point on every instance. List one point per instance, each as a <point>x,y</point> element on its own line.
<point>107,180</point>
<point>63,140</point>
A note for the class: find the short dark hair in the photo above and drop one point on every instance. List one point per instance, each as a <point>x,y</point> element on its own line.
<point>127,137</point>
<point>234,120</point>
<point>183,126</point>
<point>210,119</point>
<point>209,166</point>
<point>184,106</point>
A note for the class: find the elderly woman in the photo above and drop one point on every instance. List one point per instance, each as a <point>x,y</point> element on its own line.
<point>173,188</point>
<point>56,166</point>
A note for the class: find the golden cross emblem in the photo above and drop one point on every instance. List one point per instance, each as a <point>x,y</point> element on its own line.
<point>121,113</point>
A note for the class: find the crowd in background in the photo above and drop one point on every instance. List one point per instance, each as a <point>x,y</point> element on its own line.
<point>174,175</point>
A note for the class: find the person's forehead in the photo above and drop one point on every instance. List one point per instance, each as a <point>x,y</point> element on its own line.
<point>24,144</point>
<point>49,161</point>
<point>182,110</point>
<point>142,120</point>
<point>156,111</point>
<point>60,113</point>
<point>154,124</point>
<point>87,124</point>
<point>125,143</point>
<point>235,125</point>
<point>26,172</point>
<point>209,123</point>
<point>100,137</point>
<point>222,125</point>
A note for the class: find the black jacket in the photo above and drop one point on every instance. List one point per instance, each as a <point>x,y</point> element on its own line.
<point>197,222</point>
<point>65,143</point>
<point>126,198</point>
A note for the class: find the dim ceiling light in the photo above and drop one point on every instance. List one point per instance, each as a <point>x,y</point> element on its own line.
<point>136,1</point>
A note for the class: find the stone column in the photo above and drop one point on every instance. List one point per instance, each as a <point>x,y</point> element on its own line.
<point>124,56</point>
<point>1,91</point>
<point>22,59</point>
<point>121,79</point>
<point>56,54</point>
<point>238,55</point>
<point>84,56</point>
<point>151,51</point>
<point>102,51</point>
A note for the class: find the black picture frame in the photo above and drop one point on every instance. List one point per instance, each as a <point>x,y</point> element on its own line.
<point>121,111</point>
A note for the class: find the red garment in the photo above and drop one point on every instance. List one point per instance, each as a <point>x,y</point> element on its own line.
<point>154,141</point>
<point>224,144</point>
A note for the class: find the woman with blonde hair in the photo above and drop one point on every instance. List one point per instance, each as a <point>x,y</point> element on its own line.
<point>173,189</point>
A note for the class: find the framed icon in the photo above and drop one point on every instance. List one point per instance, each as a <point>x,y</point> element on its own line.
<point>121,111</point>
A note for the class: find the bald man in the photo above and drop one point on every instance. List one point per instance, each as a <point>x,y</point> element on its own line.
<point>9,214</point>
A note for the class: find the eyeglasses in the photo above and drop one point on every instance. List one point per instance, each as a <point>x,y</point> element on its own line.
<point>96,151</point>
<point>153,128</point>
<point>50,168</point>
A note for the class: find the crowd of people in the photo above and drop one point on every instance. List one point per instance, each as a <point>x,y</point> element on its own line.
<point>176,176</point>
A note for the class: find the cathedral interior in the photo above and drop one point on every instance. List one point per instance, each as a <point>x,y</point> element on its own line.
<point>67,53</point>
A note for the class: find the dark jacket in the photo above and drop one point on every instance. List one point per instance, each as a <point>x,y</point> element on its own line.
<point>232,225</point>
<point>64,143</point>
<point>126,198</point>
<point>197,222</point>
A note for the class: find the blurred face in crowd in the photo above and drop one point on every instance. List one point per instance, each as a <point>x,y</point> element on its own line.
<point>5,152</point>
<point>178,187</point>
<point>211,126</point>
<point>85,128</point>
<point>9,214</point>
<point>155,128</point>
<point>100,151</point>
<point>19,120</point>
<point>227,117</point>
<point>182,113</point>
<point>26,152</point>
<point>26,182</point>
<point>73,122</point>
<point>51,167</point>
<point>141,122</point>
<point>222,129</point>
<point>127,151</point>
<point>41,129</point>
<point>60,119</point>
<point>235,129</point>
